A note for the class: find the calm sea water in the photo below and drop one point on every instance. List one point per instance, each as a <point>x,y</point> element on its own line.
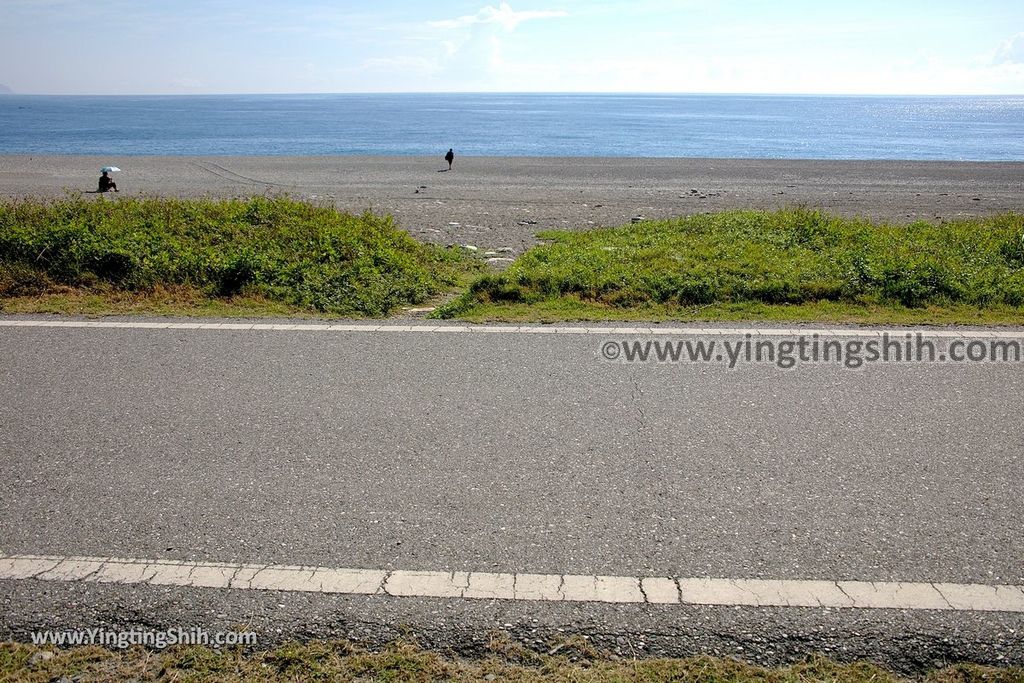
<point>952,128</point>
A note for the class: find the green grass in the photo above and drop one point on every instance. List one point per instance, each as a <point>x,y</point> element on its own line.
<point>575,662</point>
<point>753,265</point>
<point>280,257</point>
<point>276,255</point>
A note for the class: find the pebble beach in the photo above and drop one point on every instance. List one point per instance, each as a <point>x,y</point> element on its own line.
<point>502,202</point>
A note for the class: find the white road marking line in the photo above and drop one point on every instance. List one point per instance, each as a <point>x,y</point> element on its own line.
<point>506,586</point>
<point>527,329</point>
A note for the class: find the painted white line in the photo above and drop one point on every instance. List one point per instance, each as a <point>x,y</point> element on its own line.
<point>895,335</point>
<point>507,586</point>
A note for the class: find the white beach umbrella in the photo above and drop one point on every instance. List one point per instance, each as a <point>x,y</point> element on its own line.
<point>109,169</point>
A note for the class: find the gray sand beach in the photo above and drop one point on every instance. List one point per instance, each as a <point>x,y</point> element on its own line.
<point>502,202</point>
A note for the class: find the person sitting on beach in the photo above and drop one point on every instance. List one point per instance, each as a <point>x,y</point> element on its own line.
<point>449,157</point>
<point>107,183</point>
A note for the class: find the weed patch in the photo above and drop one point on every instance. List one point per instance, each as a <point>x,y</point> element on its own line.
<point>276,249</point>
<point>797,259</point>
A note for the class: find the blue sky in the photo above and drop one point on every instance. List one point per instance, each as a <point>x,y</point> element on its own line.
<point>306,46</point>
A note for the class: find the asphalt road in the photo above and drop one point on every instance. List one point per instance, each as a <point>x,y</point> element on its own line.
<point>508,452</point>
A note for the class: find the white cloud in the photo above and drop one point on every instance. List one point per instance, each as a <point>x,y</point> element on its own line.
<point>470,48</point>
<point>502,15</point>
<point>1011,51</point>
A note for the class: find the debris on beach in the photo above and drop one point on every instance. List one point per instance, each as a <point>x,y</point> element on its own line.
<point>469,247</point>
<point>527,221</point>
<point>701,194</point>
<point>499,261</point>
<point>638,219</point>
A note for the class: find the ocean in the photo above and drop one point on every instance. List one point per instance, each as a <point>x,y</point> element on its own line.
<point>579,125</point>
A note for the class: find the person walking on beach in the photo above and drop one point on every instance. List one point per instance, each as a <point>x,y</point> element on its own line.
<point>449,157</point>
<point>107,183</point>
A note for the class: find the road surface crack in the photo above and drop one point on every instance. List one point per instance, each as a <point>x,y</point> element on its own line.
<point>942,595</point>
<point>839,587</point>
<point>757,598</point>
<point>258,572</point>
<point>44,571</point>
<point>313,576</point>
<point>94,572</point>
<point>234,575</point>
<point>152,569</point>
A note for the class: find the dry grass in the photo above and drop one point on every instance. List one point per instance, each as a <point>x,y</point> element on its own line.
<point>575,662</point>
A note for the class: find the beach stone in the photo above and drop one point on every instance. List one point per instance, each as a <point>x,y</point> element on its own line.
<point>505,250</point>
<point>490,253</point>
<point>500,261</point>
<point>469,247</point>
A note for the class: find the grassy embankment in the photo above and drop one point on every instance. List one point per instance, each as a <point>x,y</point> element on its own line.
<point>576,663</point>
<point>282,257</point>
<point>263,256</point>
<point>753,265</point>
